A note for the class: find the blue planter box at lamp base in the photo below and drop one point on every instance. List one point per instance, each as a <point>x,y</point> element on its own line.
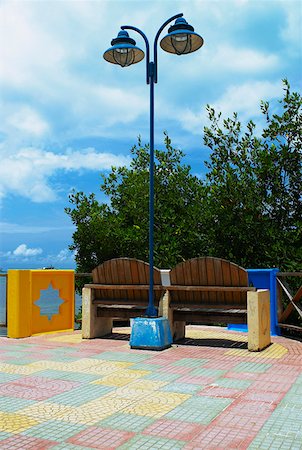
<point>150,333</point>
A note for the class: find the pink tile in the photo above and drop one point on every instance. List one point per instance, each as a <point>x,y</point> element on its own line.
<point>174,429</point>
<point>218,391</point>
<point>22,442</point>
<point>101,438</point>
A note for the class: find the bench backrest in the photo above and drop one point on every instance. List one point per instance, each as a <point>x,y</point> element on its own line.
<point>123,271</point>
<point>209,271</point>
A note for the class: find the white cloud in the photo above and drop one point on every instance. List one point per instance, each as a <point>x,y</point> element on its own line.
<point>27,120</point>
<point>236,59</point>
<point>15,228</point>
<point>292,31</point>
<point>23,250</point>
<point>243,99</point>
<point>28,171</point>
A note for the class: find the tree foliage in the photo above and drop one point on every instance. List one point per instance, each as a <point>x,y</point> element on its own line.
<point>122,227</point>
<point>247,210</point>
<point>254,187</point>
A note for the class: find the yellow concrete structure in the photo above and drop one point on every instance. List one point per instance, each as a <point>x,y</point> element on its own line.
<point>258,320</point>
<point>31,309</point>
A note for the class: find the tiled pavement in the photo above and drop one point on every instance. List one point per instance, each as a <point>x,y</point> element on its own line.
<point>62,392</point>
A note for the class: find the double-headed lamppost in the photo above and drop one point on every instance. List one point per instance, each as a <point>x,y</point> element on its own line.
<point>180,40</point>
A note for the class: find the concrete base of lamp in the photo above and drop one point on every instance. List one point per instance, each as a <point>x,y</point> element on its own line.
<point>150,333</point>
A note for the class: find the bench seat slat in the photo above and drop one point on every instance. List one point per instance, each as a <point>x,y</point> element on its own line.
<point>119,302</point>
<point>211,288</point>
<point>209,310</point>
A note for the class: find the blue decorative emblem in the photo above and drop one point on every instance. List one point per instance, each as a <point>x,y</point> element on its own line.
<point>49,302</point>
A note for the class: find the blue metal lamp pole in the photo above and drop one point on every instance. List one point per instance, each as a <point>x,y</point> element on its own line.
<point>180,39</point>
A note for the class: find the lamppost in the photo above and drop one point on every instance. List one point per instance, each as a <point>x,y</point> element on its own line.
<point>180,40</point>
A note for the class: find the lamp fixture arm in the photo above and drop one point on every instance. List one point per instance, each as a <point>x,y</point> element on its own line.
<point>130,27</point>
<point>156,39</point>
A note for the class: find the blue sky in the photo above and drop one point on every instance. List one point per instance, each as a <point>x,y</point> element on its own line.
<point>67,115</point>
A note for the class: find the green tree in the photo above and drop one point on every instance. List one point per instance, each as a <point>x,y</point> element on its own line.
<point>248,209</point>
<point>121,228</point>
<point>254,208</point>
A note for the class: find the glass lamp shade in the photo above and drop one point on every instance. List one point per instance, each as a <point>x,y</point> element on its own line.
<point>181,39</point>
<point>123,51</point>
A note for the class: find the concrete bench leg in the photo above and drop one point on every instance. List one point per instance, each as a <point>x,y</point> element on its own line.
<point>93,326</point>
<point>177,328</point>
<point>258,320</point>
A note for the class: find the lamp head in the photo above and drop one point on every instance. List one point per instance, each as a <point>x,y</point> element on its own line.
<point>123,51</point>
<point>181,38</point>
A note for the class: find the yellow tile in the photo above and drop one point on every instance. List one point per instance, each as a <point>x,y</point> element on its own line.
<point>169,398</point>
<point>69,339</point>
<point>149,409</point>
<point>15,423</point>
<point>26,369</point>
<point>96,410</point>
<point>47,411</point>
<point>47,364</point>
<point>121,377</point>
<point>275,351</point>
<point>147,385</point>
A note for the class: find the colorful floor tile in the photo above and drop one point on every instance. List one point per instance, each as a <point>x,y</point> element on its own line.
<point>63,393</point>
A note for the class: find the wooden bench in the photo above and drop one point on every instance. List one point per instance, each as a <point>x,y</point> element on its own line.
<point>120,290</point>
<point>210,290</point>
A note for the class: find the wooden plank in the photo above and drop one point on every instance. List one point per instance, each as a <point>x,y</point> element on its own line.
<point>243,281</point>
<point>220,296</point>
<point>202,267</point>
<point>122,287</point>
<point>227,281</point>
<point>289,274</point>
<point>194,308</point>
<point>211,278</point>
<point>128,277</point>
<point>133,266</point>
<point>194,267</point>
<point>120,273</point>
<point>121,301</point>
<point>209,318</point>
<point>209,288</point>
<point>234,269</point>
<point>290,308</point>
<point>290,327</point>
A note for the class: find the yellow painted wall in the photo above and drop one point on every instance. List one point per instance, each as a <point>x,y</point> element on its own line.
<point>24,289</point>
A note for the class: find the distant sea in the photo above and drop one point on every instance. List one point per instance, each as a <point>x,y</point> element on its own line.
<point>78,301</point>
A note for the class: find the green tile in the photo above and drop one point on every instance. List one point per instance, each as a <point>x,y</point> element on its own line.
<point>151,443</point>
<point>7,377</point>
<point>199,409</point>
<point>9,404</point>
<point>5,435</point>
<point>183,388</point>
<point>190,362</point>
<point>162,376</point>
<point>54,430</point>
<point>233,383</point>
<point>71,376</point>
<point>144,366</point>
<point>208,372</point>
<point>66,446</point>
<point>122,356</point>
<point>81,395</point>
<point>252,367</point>
<point>127,422</point>
<point>275,442</point>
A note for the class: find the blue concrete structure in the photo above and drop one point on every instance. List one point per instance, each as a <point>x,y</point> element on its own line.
<point>264,279</point>
<point>150,333</point>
